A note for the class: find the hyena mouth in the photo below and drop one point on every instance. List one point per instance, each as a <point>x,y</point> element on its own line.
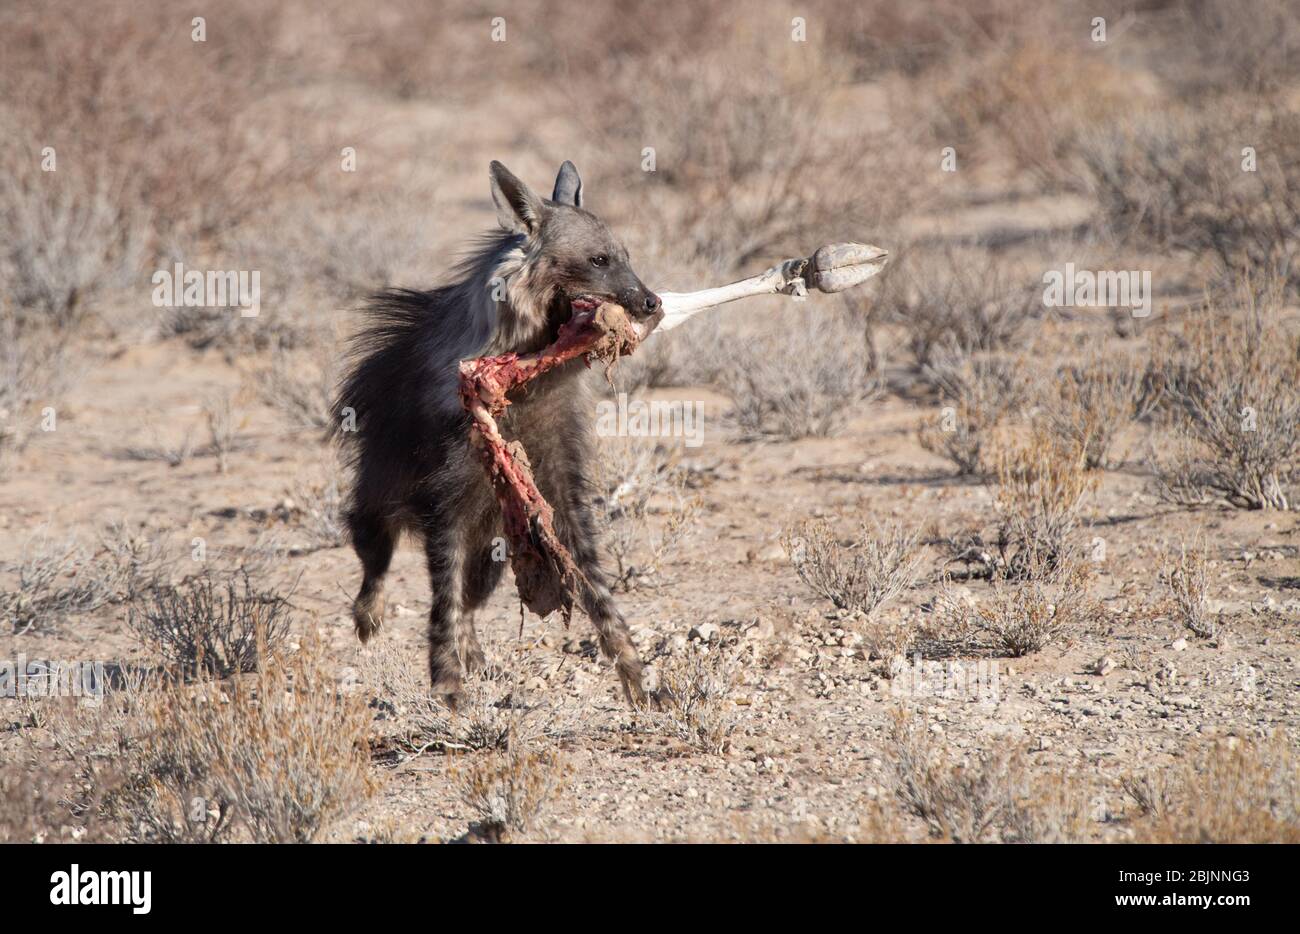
<point>586,301</point>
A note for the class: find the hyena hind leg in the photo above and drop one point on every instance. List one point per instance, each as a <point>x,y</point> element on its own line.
<point>374,540</point>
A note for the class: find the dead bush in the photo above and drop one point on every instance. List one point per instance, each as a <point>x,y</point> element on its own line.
<point>692,696</point>
<point>300,386</point>
<point>69,236</point>
<point>33,375</point>
<point>991,797</point>
<point>1041,485</point>
<point>1036,96</point>
<point>275,756</point>
<point>978,396</point>
<point>636,482</point>
<point>801,379</point>
<point>1186,578</point>
<point>211,624</point>
<point>56,579</point>
<point>1182,180</point>
<point>508,790</point>
<point>862,576</point>
<point>1019,617</point>
<point>1239,791</point>
<point>956,301</point>
<point>729,175</point>
<point>1088,405</point>
<point>1232,384</point>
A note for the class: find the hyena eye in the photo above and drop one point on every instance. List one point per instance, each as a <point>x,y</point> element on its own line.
<point>600,261</point>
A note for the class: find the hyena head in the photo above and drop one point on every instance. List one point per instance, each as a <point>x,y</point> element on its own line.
<point>570,258</point>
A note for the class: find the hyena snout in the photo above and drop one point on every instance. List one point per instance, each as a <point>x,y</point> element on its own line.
<point>639,301</point>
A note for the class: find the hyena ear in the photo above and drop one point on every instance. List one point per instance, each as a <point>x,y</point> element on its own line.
<point>568,186</point>
<point>519,210</point>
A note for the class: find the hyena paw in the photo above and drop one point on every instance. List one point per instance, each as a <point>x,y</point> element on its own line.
<point>631,673</point>
<point>368,615</point>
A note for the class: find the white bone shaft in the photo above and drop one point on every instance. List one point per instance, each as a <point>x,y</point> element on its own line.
<point>833,268</point>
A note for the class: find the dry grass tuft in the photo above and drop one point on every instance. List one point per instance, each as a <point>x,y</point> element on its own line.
<point>508,790</point>
<point>1186,577</point>
<point>634,480</point>
<point>1232,382</point>
<point>212,625</point>
<point>861,577</point>
<point>993,797</point>
<point>979,395</point>
<point>1040,490</point>
<point>1237,792</point>
<point>693,696</point>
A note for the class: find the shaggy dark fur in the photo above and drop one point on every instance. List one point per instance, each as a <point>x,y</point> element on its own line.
<point>399,415</point>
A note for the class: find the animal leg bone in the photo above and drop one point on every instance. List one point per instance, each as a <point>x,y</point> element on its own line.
<point>832,268</point>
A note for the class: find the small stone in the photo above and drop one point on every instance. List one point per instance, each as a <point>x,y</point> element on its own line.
<point>1103,666</point>
<point>1178,645</point>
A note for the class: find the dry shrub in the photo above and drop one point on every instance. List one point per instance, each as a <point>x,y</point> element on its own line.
<point>1018,617</point>
<point>801,378</point>
<point>1088,405</point>
<point>991,797</point>
<point>956,300</point>
<point>1232,383</point>
<point>184,120</point>
<point>300,386</point>
<point>862,576</point>
<point>34,807</point>
<point>317,505</point>
<point>492,713</point>
<point>1176,178</point>
<point>275,756</point>
<point>1218,49</point>
<point>637,481</point>
<point>69,235</point>
<point>33,365</point>
<point>213,625</point>
<point>1186,577</point>
<point>1041,484</point>
<point>693,696</point>
<point>508,790</point>
<point>286,748</point>
<point>736,177</point>
<point>1235,792</point>
<point>1033,96</point>
<point>56,579</point>
<point>978,395</point>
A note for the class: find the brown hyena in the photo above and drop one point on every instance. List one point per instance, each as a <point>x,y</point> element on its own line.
<point>408,436</point>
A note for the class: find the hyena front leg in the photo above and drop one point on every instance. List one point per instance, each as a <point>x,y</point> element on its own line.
<point>373,538</point>
<point>578,532</point>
